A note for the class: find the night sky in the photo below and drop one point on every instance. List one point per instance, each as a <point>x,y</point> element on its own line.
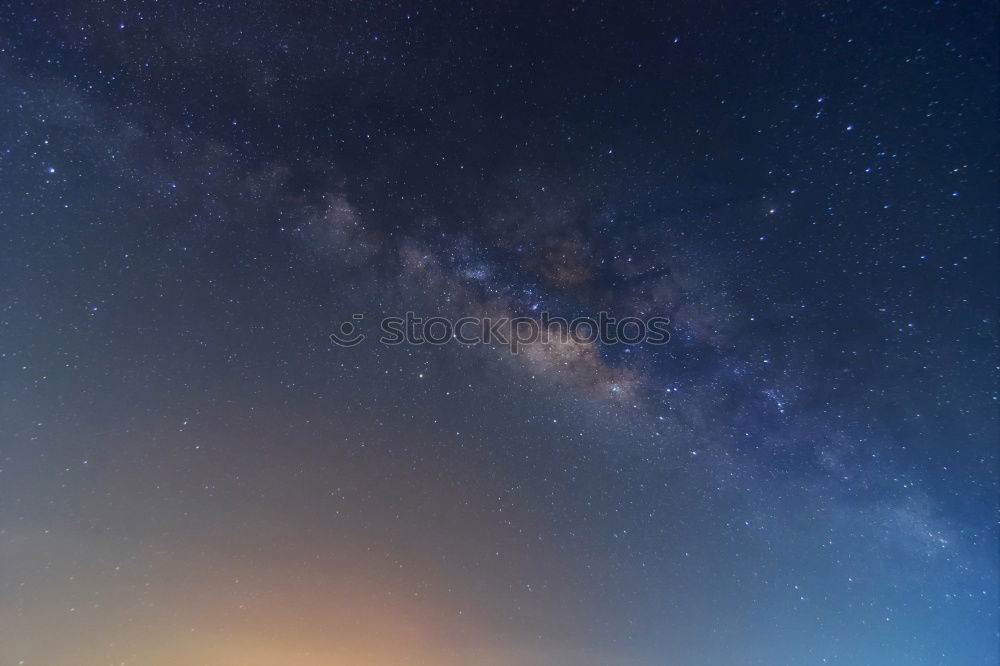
<point>194,196</point>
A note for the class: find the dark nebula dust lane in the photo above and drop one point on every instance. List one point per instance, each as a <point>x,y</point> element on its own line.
<point>195,197</point>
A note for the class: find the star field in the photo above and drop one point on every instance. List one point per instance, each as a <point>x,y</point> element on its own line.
<point>194,196</point>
